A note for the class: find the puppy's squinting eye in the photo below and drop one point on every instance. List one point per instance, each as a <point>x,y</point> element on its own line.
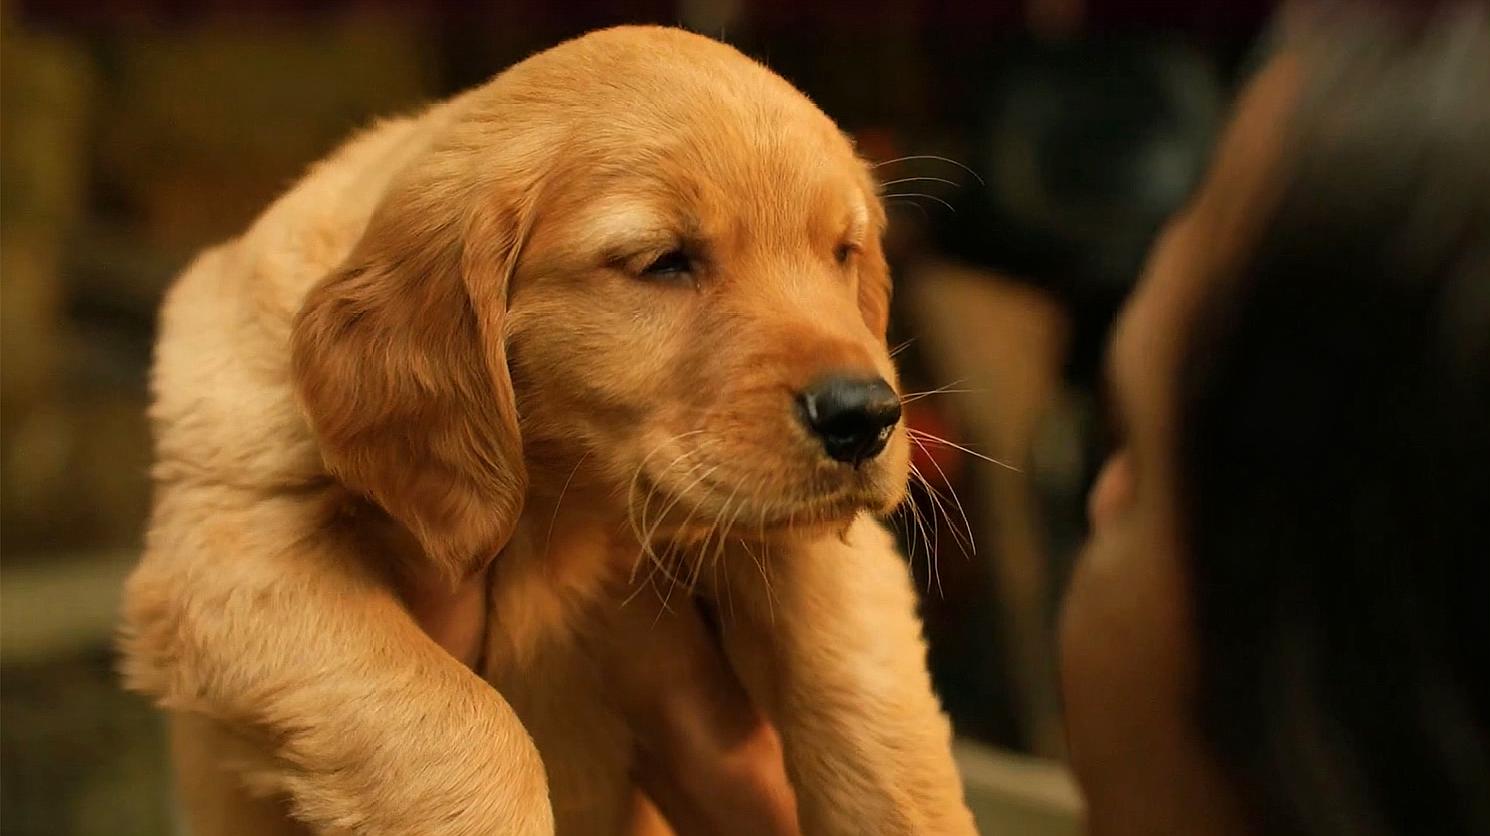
<point>669,264</point>
<point>845,251</point>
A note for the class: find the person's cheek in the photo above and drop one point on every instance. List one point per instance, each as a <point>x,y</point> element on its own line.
<point>1113,490</point>
<point>1106,682</point>
<point>1082,681</point>
<point>1100,640</point>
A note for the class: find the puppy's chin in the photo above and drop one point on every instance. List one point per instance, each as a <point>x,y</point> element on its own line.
<point>831,515</point>
<point>795,497</point>
<point>821,517</point>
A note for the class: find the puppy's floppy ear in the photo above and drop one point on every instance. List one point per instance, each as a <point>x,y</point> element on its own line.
<point>400,364</point>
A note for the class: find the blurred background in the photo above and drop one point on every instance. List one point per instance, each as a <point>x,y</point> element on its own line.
<point>1030,150</point>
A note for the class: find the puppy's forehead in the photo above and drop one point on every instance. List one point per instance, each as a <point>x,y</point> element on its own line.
<point>613,224</point>
<point>662,208</point>
<point>675,131</point>
<point>702,174</point>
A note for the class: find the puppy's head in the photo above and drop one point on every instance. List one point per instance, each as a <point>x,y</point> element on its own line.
<point>640,252</point>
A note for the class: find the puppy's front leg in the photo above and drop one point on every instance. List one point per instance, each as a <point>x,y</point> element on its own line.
<point>826,637</point>
<point>347,709</point>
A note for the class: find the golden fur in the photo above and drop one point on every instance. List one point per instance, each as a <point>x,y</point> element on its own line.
<point>441,349</point>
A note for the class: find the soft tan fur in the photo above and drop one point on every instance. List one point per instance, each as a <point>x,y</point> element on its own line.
<point>440,350</point>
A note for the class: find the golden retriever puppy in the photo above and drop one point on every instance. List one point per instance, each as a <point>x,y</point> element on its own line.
<point>612,322</point>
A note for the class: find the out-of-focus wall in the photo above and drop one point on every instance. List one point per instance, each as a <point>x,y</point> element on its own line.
<point>124,154</point>
<point>125,149</point>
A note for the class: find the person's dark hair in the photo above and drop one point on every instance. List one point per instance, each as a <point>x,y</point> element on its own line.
<point>1334,456</point>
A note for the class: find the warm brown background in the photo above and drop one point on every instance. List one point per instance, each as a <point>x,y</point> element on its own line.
<point>136,131</point>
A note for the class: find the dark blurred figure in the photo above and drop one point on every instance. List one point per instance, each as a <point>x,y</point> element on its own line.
<point>1085,124</point>
<point>1279,625</point>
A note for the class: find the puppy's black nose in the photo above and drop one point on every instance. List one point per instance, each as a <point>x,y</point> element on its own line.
<point>853,416</point>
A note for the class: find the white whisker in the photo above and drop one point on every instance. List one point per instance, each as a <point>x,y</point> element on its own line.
<point>940,390</point>
<point>900,180</point>
<point>912,204</point>
<point>916,396</point>
<point>929,543</point>
<point>911,157</point>
<point>639,518</point>
<point>950,207</point>
<point>969,548</point>
<point>673,580</point>
<point>925,436</point>
<point>636,517</point>
<point>549,538</point>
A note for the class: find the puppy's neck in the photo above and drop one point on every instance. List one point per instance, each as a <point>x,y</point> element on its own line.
<point>563,559</point>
